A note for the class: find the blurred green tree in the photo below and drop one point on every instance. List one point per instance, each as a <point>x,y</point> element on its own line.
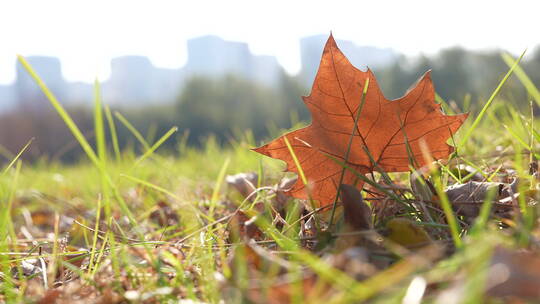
<point>223,106</point>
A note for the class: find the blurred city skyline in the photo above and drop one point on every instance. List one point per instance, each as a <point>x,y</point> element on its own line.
<point>135,81</point>
<point>86,35</point>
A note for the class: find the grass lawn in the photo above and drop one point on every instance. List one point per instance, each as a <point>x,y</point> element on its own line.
<point>183,227</point>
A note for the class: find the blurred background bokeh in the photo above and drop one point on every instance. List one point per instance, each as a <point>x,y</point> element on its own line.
<point>239,67</point>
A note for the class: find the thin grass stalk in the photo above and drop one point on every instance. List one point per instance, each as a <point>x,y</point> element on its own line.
<point>475,123</point>
<point>346,157</point>
<point>112,129</point>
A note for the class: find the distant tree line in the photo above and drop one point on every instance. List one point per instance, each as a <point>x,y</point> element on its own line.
<point>227,106</point>
<point>457,73</point>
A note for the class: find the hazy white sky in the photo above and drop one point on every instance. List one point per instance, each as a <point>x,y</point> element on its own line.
<point>85,35</point>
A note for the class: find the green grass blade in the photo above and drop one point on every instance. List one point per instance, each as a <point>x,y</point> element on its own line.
<point>150,185</point>
<point>133,130</point>
<point>156,145</point>
<point>7,230</point>
<point>346,157</point>
<point>78,135</point>
<point>296,162</point>
<point>481,222</point>
<point>6,223</point>
<point>517,137</point>
<point>62,112</point>
<point>162,190</point>
<point>217,187</point>
<point>523,77</point>
<point>471,129</point>
<point>17,156</point>
<point>99,129</point>
<point>112,128</point>
<point>95,238</point>
<point>369,181</point>
<point>303,177</point>
<point>448,212</point>
<point>444,104</point>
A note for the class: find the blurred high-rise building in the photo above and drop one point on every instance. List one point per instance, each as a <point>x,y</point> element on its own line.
<point>211,55</point>
<point>360,56</point>
<point>135,81</point>
<point>50,70</point>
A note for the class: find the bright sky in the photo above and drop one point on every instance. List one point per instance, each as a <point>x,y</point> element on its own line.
<point>85,35</point>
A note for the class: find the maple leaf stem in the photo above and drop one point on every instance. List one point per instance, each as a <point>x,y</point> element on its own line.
<point>342,175</point>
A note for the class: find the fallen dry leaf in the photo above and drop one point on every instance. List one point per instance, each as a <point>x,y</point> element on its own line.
<point>383,205</point>
<point>243,227</point>
<point>356,212</point>
<point>50,296</point>
<point>334,102</point>
<point>245,183</point>
<point>283,291</point>
<point>514,273</point>
<point>357,216</point>
<point>164,215</point>
<point>355,262</point>
<point>467,198</point>
<point>281,189</point>
<point>475,192</point>
<point>407,233</point>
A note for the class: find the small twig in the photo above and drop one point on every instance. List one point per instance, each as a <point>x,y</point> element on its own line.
<point>44,272</point>
<point>305,217</point>
<point>103,232</point>
<point>267,255</point>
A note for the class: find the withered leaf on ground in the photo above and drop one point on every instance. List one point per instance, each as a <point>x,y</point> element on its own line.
<point>245,183</point>
<point>284,185</point>
<point>242,227</point>
<point>357,216</point>
<point>473,191</point>
<point>407,233</point>
<point>164,215</point>
<point>383,206</point>
<point>357,213</point>
<point>514,273</point>
<point>383,128</point>
<point>467,198</point>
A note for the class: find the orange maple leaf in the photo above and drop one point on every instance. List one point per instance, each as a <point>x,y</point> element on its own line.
<point>383,128</point>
